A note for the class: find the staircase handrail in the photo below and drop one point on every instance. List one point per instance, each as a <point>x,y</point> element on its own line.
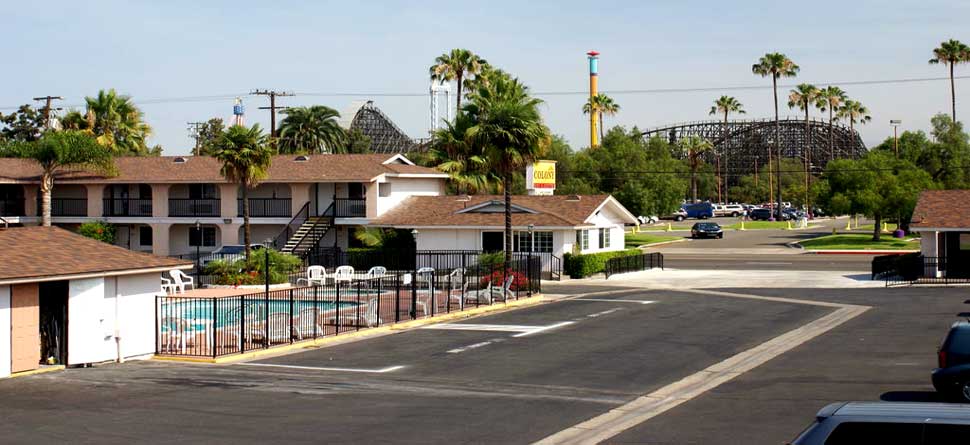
<point>298,219</point>
<point>325,219</point>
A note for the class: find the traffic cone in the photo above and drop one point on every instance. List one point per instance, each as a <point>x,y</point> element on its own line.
<point>742,225</point>
<point>848,224</point>
<point>669,228</point>
<point>789,224</point>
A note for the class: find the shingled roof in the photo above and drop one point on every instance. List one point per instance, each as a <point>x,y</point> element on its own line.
<point>205,169</point>
<point>459,211</point>
<point>46,253</point>
<point>942,209</point>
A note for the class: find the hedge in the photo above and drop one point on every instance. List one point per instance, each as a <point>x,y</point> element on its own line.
<point>581,266</point>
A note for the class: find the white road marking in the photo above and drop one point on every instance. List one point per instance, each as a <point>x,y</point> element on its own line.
<point>481,327</point>
<point>613,301</point>
<point>544,329</point>
<point>474,346</point>
<point>768,262</point>
<point>314,368</point>
<point>599,314</point>
<point>607,425</point>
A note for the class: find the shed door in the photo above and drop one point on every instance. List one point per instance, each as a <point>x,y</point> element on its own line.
<point>24,327</point>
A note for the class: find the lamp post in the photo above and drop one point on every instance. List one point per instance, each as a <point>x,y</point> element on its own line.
<point>532,239</point>
<point>895,124</point>
<point>198,244</point>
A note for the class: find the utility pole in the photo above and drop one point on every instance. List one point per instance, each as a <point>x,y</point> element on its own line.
<point>195,132</point>
<point>272,106</point>
<point>895,123</point>
<point>47,107</point>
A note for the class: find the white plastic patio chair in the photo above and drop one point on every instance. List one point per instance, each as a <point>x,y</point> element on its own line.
<point>307,322</point>
<point>315,276</point>
<point>167,286</point>
<point>369,317</point>
<point>180,334</point>
<point>376,272</point>
<point>181,280</point>
<point>343,274</point>
<point>282,327</point>
<point>506,290</point>
<point>480,295</point>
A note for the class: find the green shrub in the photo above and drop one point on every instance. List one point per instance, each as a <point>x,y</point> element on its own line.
<point>491,259</point>
<point>240,272</point>
<point>581,266</point>
<point>98,230</point>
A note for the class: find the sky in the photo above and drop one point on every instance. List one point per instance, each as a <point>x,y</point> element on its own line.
<point>184,61</point>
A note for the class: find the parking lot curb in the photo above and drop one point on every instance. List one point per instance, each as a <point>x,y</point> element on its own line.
<point>44,370</point>
<point>360,335</point>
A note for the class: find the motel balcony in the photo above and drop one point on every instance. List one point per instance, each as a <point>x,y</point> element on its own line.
<point>266,207</point>
<point>350,207</point>
<point>190,207</point>
<point>127,207</point>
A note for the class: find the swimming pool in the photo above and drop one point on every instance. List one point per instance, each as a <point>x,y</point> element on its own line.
<point>198,313</point>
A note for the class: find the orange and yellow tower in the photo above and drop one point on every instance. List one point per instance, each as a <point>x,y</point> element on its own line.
<point>593,91</point>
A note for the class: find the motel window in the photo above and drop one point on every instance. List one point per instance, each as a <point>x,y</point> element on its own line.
<point>384,189</point>
<point>542,241</point>
<point>145,236</point>
<point>539,242</point>
<point>207,239</point>
<point>582,239</point>
<point>604,238</point>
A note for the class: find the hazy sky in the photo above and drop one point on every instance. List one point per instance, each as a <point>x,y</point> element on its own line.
<point>189,49</point>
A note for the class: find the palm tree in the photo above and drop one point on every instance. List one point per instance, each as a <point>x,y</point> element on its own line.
<point>951,53</point>
<point>831,99</point>
<point>245,156</point>
<point>456,65</point>
<point>601,104</point>
<point>311,129</point>
<point>452,152</point>
<point>60,150</point>
<point>507,124</point>
<point>117,123</point>
<point>803,97</point>
<point>692,148</point>
<point>726,105</point>
<point>853,111</point>
<point>775,65</point>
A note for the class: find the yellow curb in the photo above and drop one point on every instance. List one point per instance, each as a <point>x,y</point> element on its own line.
<point>37,371</point>
<point>370,332</point>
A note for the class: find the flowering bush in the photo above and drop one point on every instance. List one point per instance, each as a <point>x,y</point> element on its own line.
<point>98,230</point>
<point>498,277</point>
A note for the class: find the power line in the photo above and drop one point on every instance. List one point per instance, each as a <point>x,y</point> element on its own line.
<point>272,106</point>
<point>195,132</point>
<point>219,97</point>
<point>626,173</point>
<point>47,107</point>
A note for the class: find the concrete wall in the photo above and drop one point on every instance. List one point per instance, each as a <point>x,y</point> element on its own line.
<point>267,190</point>
<point>4,331</point>
<point>178,239</point>
<point>929,244</point>
<point>401,188</point>
<point>260,232</point>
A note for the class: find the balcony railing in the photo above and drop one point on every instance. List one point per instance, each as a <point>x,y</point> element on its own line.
<point>127,207</point>
<point>12,207</point>
<point>350,208</point>
<point>266,207</point>
<point>66,207</point>
<point>193,207</point>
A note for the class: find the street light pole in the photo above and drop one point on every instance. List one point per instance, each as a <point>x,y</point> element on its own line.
<point>198,257</point>
<point>895,123</point>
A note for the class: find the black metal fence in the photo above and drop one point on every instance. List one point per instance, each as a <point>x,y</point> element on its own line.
<point>914,269</point>
<point>218,326</point>
<point>127,207</point>
<point>266,207</point>
<point>350,207</point>
<point>329,257</point>
<point>12,207</point>
<point>634,263</point>
<point>194,207</point>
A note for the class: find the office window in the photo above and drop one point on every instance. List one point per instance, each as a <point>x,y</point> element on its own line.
<point>145,236</point>
<point>521,242</point>
<point>604,238</point>
<point>582,239</point>
<point>542,242</point>
<point>208,237</point>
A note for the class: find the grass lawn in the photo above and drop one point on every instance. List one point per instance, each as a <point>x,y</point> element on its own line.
<point>638,239</point>
<point>859,242</point>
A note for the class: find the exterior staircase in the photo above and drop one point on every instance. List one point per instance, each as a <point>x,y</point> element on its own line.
<point>304,232</point>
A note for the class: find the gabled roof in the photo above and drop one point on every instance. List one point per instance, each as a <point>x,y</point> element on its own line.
<point>942,209</point>
<point>205,169</point>
<point>480,211</point>
<point>51,253</point>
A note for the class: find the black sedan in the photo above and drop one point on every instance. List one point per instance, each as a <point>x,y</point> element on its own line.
<point>706,230</point>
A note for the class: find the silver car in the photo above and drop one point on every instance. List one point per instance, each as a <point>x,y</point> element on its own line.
<point>901,423</point>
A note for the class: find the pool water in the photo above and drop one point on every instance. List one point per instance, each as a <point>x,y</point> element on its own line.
<point>198,313</point>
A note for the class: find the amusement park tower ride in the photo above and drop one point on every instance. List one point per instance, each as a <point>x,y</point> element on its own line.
<point>593,91</point>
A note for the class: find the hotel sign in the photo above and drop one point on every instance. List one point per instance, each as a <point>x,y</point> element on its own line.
<point>540,177</point>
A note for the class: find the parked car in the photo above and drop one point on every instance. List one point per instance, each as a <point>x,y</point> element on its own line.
<point>791,214</point>
<point>706,230</point>
<point>653,219</point>
<point>679,215</point>
<point>952,377</point>
<point>732,210</point>
<point>227,252</point>
<point>760,214</point>
<point>916,423</point>
<point>700,210</point>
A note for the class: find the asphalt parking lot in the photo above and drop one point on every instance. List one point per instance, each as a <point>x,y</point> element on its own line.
<point>513,377</point>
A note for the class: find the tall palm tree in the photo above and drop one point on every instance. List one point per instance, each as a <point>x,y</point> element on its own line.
<point>831,99</point>
<point>117,123</point>
<point>456,65</point>
<point>853,111</point>
<point>726,105</point>
<point>951,53</point>
<point>775,65</point>
<point>452,152</point>
<point>804,97</point>
<point>56,151</point>
<point>507,124</point>
<point>692,148</point>
<point>601,104</point>
<point>245,156</point>
<point>311,129</point>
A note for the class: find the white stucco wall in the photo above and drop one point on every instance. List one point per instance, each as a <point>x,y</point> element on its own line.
<point>401,188</point>
<point>4,331</point>
<point>929,244</point>
<point>449,239</point>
